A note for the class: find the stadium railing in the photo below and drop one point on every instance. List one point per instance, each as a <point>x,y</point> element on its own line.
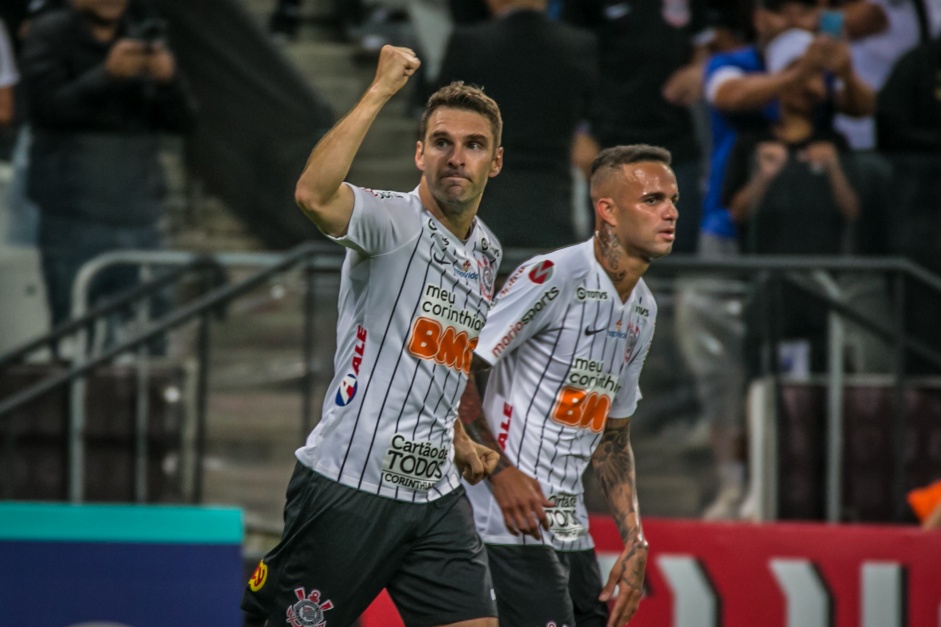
<point>813,276</point>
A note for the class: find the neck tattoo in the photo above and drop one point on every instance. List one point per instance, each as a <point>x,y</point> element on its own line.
<point>611,253</point>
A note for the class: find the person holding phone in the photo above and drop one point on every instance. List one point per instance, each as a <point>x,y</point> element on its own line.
<point>99,98</point>
<point>742,94</point>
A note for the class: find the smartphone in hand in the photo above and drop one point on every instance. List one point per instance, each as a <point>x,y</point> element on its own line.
<point>831,23</point>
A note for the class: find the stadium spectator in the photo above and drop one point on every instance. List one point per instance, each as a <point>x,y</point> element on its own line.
<point>742,95</point>
<point>563,387</point>
<point>651,56</point>
<point>375,500</point>
<point>788,190</point>
<point>9,76</point>
<point>543,73</point>
<point>101,89</point>
<point>908,109</point>
<point>909,130</point>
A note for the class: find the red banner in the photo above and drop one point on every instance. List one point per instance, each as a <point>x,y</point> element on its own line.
<point>773,575</point>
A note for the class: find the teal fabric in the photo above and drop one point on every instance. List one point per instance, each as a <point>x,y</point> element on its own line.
<point>120,523</point>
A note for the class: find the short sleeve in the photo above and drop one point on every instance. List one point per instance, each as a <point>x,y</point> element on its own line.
<point>627,398</point>
<point>381,221</point>
<point>522,309</point>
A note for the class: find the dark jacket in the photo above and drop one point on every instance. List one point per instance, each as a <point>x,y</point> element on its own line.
<point>543,75</point>
<point>96,139</point>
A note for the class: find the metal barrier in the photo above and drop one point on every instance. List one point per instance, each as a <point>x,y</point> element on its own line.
<point>319,257</point>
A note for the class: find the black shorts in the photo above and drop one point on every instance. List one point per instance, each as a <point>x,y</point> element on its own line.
<point>340,547</point>
<point>538,586</point>
<point>585,584</point>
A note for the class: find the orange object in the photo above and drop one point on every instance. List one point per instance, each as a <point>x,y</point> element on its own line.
<point>924,500</point>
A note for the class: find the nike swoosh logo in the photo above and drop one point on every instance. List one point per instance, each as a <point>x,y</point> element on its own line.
<point>591,332</point>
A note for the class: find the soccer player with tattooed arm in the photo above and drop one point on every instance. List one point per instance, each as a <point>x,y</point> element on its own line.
<point>561,354</point>
<point>376,500</point>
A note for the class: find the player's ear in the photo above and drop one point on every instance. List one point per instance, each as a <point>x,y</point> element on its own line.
<point>497,164</point>
<point>605,210</point>
<point>420,156</point>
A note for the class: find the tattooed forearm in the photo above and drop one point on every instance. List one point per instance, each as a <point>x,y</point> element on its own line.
<point>611,253</point>
<point>613,463</point>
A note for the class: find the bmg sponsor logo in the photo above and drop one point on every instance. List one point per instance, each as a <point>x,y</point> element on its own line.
<point>444,333</point>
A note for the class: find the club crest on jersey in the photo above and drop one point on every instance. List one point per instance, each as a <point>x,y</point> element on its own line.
<point>346,391</point>
<point>486,279</point>
<point>542,272</point>
<point>309,609</point>
<point>633,334</point>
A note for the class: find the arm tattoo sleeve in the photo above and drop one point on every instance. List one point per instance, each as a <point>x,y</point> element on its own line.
<point>613,462</point>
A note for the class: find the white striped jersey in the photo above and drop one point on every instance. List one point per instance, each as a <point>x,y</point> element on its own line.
<point>567,355</point>
<point>412,301</point>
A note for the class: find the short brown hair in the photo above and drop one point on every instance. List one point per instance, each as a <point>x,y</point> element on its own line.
<point>457,95</point>
<point>610,160</point>
<point>616,156</point>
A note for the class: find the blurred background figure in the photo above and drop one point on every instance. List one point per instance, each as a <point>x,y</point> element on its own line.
<point>908,117</point>
<point>742,95</point>
<point>788,192</point>
<point>651,56</point>
<point>8,78</point>
<point>544,75</point>
<point>102,88</point>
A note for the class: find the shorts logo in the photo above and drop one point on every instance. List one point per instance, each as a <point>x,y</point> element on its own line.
<point>541,272</point>
<point>259,577</point>
<point>308,611</point>
<point>349,384</point>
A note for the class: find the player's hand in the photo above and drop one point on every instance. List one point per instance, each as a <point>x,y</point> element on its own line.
<point>474,461</point>
<point>396,66</point>
<point>126,59</point>
<point>627,575</point>
<point>521,499</point>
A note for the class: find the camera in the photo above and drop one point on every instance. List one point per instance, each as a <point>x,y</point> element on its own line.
<point>151,31</point>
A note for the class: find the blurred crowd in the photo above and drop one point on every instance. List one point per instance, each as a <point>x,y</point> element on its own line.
<point>807,127</point>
